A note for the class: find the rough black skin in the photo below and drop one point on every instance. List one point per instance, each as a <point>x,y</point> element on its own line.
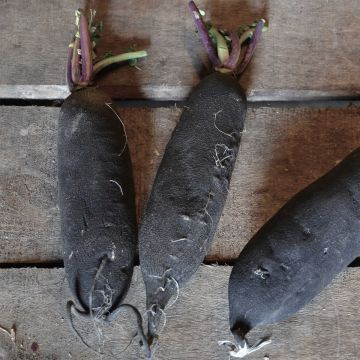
<point>97,218</point>
<point>299,251</point>
<point>190,189</point>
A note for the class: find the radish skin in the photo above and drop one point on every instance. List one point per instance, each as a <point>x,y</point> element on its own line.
<point>96,191</point>
<point>96,199</point>
<point>298,252</point>
<point>190,191</point>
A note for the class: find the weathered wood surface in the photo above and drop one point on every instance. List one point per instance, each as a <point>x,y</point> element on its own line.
<point>33,300</point>
<point>282,151</point>
<point>308,51</point>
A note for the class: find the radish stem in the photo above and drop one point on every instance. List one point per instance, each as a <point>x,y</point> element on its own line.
<point>226,61</point>
<point>252,46</point>
<point>86,49</point>
<point>100,65</point>
<point>204,35</point>
<point>75,62</point>
<point>222,47</point>
<point>81,67</point>
<point>234,57</point>
<point>69,67</point>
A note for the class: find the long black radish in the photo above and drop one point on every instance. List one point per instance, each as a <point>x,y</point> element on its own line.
<point>95,187</point>
<point>297,253</point>
<point>191,185</point>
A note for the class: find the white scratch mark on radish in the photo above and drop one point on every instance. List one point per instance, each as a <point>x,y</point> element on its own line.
<point>118,185</point>
<point>206,206</point>
<point>160,288</point>
<point>112,258</point>
<point>162,276</point>
<point>117,115</point>
<point>181,239</point>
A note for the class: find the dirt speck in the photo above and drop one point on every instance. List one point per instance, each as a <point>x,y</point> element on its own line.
<point>35,347</point>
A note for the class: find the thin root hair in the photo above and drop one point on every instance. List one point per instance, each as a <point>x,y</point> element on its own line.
<point>71,308</point>
<point>161,276</point>
<point>103,309</point>
<point>240,351</point>
<point>118,185</point>
<point>217,128</point>
<point>117,115</point>
<point>227,153</point>
<point>206,211</point>
<point>177,293</point>
<point>153,313</point>
<point>11,333</point>
<point>140,330</point>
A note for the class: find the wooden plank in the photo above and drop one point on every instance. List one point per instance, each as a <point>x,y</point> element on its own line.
<point>291,63</point>
<point>34,299</point>
<point>282,151</point>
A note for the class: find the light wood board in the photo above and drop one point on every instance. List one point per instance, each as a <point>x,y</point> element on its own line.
<point>33,300</point>
<point>282,151</point>
<point>309,51</point>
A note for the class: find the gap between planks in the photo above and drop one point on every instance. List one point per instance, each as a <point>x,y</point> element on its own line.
<point>176,93</point>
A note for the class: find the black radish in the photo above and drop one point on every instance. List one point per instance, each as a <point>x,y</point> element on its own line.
<point>297,253</point>
<point>192,182</point>
<point>95,187</point>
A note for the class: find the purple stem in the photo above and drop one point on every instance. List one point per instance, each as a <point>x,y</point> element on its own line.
<point>86,49</point>
<point>251,47</point>
<point>75,63</point>
<point>233,59</point>
<point>204,35</point>
<point>68,69</point>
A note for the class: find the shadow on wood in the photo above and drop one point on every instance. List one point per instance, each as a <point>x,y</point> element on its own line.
<point>303,144</point>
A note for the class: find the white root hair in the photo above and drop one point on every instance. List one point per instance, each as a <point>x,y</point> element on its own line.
<point>227,153</point>
<point>179,240</point>
<point>217,128</point>
<point>118,185</point>
<point>11,333</point>
<point>177,293</point>
<point>103,309</point>
<point>240,352</point>
<point>117,115</point>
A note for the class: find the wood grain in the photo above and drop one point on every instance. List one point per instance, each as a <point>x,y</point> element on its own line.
<point>33,300</point>
<point>282,151</point>
<point>308,51</point>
